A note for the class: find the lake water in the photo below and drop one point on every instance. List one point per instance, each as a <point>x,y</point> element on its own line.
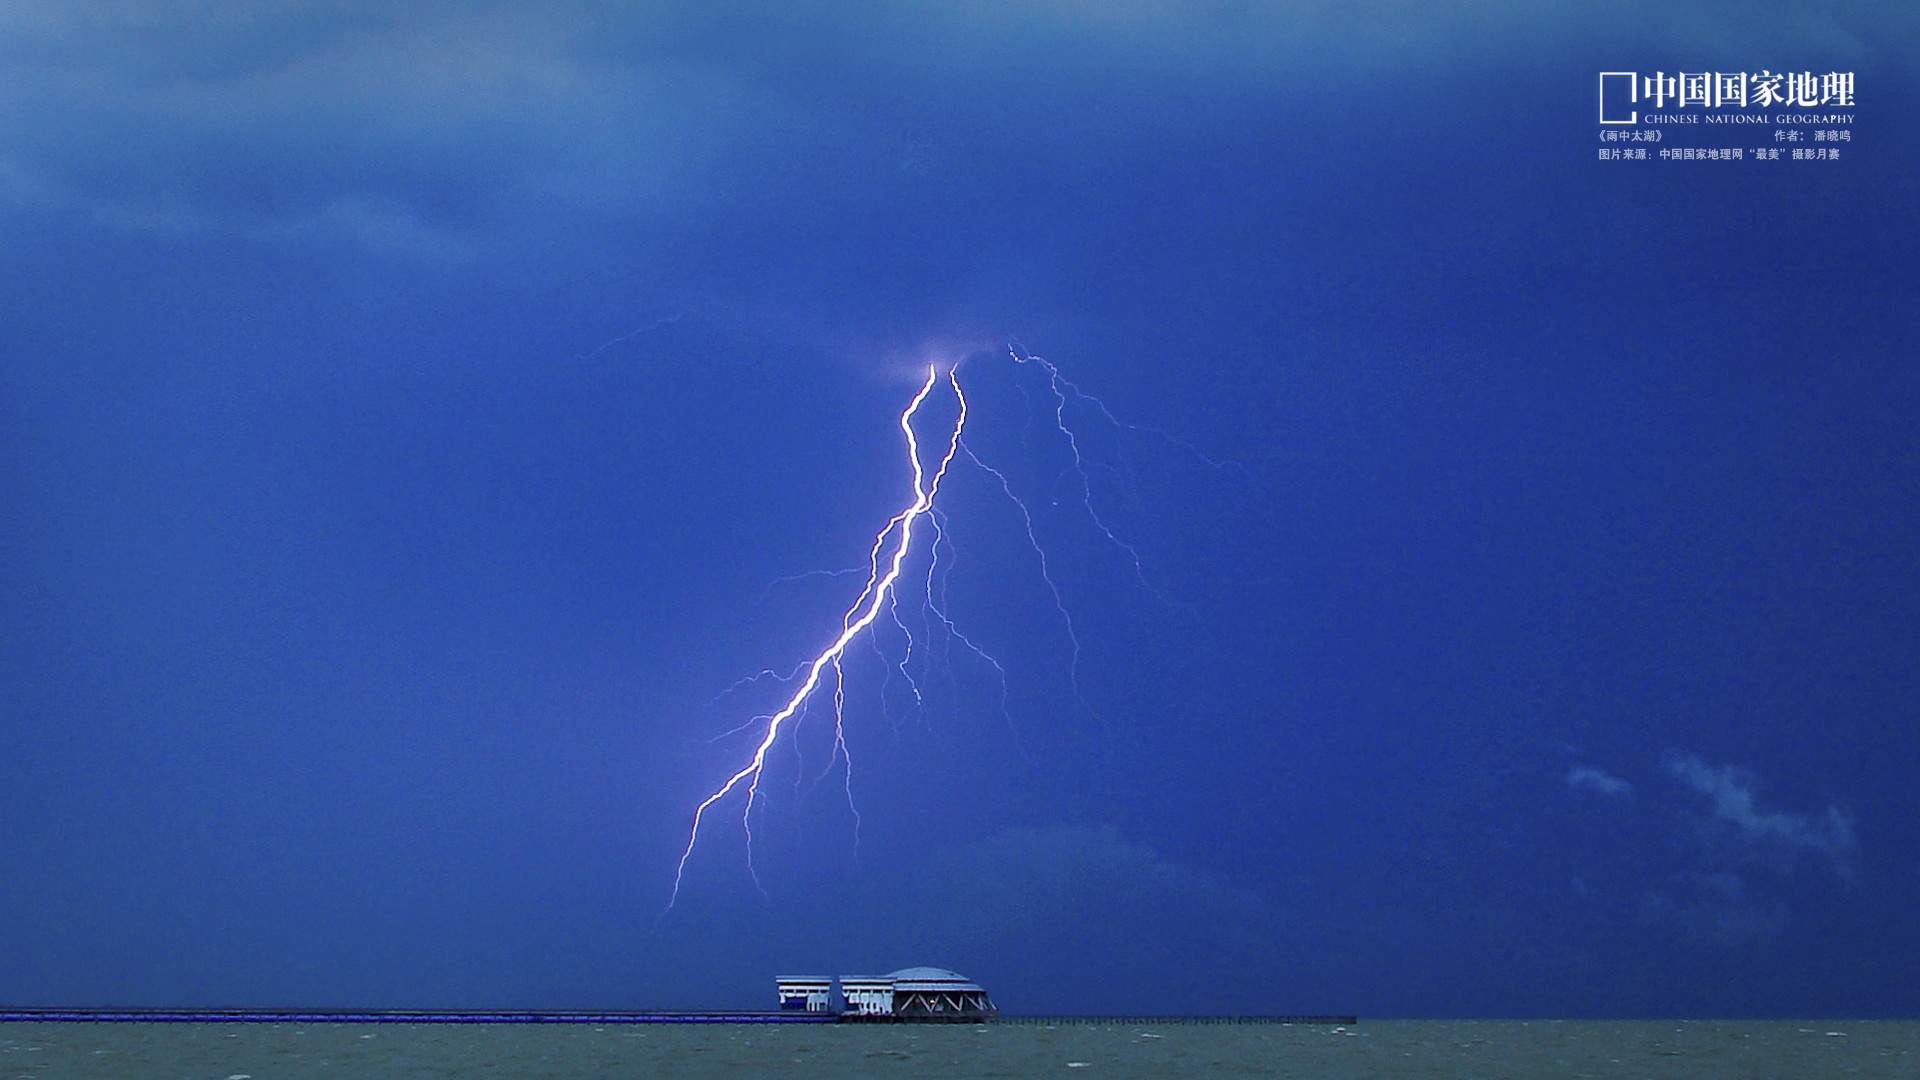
<point>1430,1050</point>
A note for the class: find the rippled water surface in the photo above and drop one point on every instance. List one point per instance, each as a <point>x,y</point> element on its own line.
<point>1429,1049</point>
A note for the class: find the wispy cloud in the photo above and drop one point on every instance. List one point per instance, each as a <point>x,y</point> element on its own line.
<point>1735,815</point>
<point>1599,782</point>
<point>1730,860</point>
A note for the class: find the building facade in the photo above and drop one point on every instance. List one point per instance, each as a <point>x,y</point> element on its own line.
<point>805,993</point>
<point>916,993</point>
<point>925,993</point>
<point>867,995</point>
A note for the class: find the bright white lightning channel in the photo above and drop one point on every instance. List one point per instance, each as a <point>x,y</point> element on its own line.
<point>860,616</point>
<point>892,546</point>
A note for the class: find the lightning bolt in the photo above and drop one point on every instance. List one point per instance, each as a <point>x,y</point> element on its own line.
<point>881,597</point>
<point>867,608</point>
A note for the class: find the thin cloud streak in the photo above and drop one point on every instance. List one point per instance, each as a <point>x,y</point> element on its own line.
<point>1736,812</point>
<point>1588,778</point>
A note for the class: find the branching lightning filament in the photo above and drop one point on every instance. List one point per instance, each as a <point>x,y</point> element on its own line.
<point>825,674</point>
<point>884,573</point>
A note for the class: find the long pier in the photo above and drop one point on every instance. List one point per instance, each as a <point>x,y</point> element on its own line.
<point>402,1016</point>
<point>521,1016</point>
<point>1165,1021</point>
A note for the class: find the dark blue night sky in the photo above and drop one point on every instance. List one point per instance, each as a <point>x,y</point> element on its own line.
<point>412,416</point>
